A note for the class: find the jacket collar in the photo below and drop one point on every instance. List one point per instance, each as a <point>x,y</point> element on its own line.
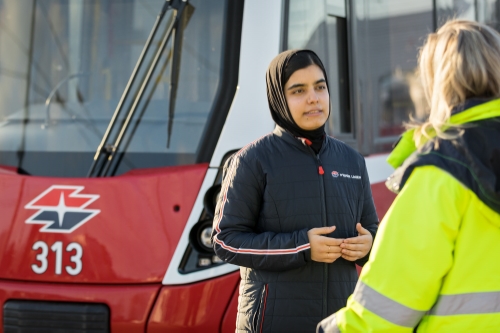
<point>480,110</point>
<point>300,143</point>
<point>468,104</point>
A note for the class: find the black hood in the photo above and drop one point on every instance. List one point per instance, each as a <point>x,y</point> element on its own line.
<point>277,100</point>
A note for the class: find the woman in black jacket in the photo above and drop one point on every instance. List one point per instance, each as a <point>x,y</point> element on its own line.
<point>296,210</point>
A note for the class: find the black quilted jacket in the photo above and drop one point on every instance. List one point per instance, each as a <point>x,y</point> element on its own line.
<point>274,190</point>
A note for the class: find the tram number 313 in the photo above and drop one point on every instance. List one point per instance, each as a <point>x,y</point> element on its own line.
<point>74,250</point>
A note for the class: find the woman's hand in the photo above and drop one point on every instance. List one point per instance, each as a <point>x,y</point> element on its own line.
<point>324,249</point>
<point>357,247</point>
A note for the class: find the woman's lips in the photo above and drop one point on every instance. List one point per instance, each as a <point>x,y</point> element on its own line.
<point>313,112</point>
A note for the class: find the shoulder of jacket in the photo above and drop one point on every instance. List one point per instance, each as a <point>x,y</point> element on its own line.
<point>470,159</point>
<point>440,153</point>
<point>342,147</point>
<point>430,154</point>
<point>255,148</point>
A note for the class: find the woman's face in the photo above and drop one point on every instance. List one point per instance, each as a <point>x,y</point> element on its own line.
<point>307,96</point>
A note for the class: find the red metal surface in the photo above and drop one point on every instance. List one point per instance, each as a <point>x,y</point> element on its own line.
<point>131,240</point>
<point>195,308</point>
<point>129,304</point>
<point>11,189</point>
<point>8,169</point>
<point>229,321</point>
<point>383,198</point>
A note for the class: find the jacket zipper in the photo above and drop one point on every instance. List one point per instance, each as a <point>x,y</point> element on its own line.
<point>321,172</point>
<point>323,216</point>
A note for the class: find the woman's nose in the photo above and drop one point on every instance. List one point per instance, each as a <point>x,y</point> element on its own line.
<point>312,97</point>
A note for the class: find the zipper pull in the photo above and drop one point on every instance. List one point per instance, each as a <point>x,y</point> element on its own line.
<point>321,171</point>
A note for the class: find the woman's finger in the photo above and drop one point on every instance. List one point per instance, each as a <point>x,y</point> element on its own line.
<point>349,258</point>
<point>331,257</point>
<point>332,241</point>
<point>332,249</point>
<point>352,253</point>
<point>364,239</point>
<point>352,247</point>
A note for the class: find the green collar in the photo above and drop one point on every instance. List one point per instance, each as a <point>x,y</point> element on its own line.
<point>406,146</point>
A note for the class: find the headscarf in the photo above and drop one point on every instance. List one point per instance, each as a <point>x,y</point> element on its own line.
<point>277,100</point>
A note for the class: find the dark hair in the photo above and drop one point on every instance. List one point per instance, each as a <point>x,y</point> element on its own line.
<point>300,60</point>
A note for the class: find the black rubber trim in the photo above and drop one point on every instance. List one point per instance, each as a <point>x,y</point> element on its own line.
<point>23,316</point>
<point>229,81</point>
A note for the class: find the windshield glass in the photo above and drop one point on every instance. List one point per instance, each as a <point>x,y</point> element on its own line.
<point>65,64</point>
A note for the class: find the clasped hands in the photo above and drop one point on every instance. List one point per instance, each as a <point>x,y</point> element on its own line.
<point>327,249</point>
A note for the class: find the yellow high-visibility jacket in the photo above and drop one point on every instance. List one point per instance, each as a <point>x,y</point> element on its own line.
<point>435,263</point>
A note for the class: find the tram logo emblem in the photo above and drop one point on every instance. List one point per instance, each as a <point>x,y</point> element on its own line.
<point>335,174</point>
<point>62,208</point>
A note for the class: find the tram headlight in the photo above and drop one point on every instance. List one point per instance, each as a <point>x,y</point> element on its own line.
<point>200,237</point>
<point>205,237</point>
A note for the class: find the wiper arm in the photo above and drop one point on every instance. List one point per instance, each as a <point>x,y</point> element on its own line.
<point>106,152</point>
<point>181,24</point>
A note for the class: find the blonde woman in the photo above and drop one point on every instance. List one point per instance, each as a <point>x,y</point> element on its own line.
<point>434,266</point>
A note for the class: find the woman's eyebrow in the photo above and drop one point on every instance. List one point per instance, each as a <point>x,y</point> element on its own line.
<point>296,85</point>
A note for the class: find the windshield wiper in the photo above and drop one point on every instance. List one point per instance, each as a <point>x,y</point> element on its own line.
<point>105,153</point>
<point>184,17</point>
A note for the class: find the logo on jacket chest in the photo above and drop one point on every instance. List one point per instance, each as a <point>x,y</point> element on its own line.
<point>336,174</point>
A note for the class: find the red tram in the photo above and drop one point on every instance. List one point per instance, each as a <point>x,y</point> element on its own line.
<point>117,115</point>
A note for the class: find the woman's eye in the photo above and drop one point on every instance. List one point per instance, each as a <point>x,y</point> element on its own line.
<point>298,91</point>
<point>322,87</point>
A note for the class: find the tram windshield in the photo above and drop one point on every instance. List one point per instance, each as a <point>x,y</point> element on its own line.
<point>65,64</point>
